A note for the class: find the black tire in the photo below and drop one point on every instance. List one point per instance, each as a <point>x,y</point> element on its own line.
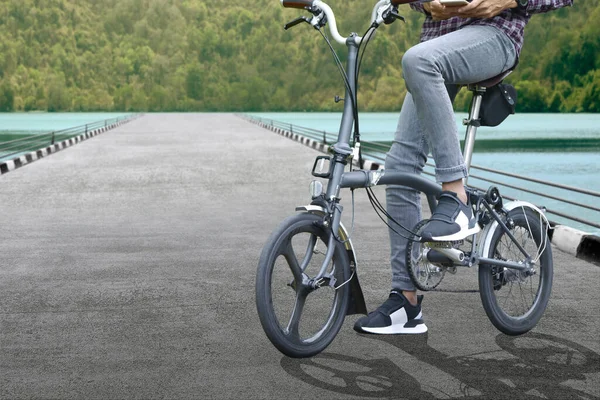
<point>513,301</point>
<point>282,290</point>
<point>424,274</point>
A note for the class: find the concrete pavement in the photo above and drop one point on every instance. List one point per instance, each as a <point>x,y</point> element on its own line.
<point>128,272</point>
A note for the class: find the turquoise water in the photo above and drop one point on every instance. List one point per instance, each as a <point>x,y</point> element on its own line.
<point>21,133</point>
<point>381,126</point>
<point>47,122</point>
<point>558,148</point>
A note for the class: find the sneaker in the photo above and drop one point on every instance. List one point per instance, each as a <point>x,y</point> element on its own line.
<point>452,220</point>
<point>394,316</point>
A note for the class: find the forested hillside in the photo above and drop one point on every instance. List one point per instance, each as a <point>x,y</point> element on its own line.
<point>207,55</point>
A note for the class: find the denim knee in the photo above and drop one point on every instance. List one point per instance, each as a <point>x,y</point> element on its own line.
<point>416,63</point>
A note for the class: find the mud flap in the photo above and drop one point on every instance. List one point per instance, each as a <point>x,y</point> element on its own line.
<point>357,303</point>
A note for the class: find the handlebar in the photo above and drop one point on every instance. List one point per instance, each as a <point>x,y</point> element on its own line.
<point>301,4</point>
<point>307,4</point>
<point>323,13</point>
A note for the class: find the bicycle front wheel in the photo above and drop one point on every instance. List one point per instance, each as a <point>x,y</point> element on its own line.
<point>301,316</point>
<point>513,300</point>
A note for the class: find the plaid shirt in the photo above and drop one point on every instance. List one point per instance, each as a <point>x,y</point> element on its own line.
<point>511,21</point>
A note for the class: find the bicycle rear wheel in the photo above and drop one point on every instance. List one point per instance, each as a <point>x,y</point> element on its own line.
<point>301,317</point>
<point>513,300</point>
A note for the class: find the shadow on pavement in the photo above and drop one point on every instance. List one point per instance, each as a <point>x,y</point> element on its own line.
<point>530,366</point>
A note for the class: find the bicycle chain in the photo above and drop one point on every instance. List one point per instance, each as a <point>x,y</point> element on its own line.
<point>445,245</point>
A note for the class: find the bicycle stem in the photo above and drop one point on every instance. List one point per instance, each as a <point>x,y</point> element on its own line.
<point>342,149</point>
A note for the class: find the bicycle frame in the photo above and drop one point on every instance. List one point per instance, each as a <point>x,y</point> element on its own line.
<point>293,258</point>
<point>342,154</point>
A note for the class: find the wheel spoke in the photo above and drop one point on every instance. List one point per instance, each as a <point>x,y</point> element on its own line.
<point>290,257</point>
<point>509,292</point>
<point>294,323</point>
<point>513,296</point>
<point>523,299</point>
<point>533,292</point>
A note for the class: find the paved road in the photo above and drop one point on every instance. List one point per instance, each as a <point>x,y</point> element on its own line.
<point>128,272</point>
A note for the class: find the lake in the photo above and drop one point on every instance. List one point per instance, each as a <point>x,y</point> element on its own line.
<point>559,148</point>
<point>21,133</point>
<point>40,122</point>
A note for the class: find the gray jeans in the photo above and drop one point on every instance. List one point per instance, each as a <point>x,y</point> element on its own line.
<point>434,72</point>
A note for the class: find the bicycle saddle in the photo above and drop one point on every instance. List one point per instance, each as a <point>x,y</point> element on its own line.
<point>495,80</point>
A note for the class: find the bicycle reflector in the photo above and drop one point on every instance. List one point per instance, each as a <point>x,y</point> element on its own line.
<point>315,188</point>
<point>320,166</point>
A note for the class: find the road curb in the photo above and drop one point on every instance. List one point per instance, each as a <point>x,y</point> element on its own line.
<point>572,241</point>
<point>18,162</point>
<point>577,243</point>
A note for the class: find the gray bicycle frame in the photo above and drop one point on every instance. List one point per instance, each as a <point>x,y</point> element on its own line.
<point>342,152</point>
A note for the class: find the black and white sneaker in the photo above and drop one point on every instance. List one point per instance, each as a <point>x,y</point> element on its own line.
<point>395,316</point>
<point>452,220</point>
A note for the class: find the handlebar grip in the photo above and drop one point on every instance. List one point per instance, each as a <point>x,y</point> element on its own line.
<point>399,2</point>
<point>301,4</point>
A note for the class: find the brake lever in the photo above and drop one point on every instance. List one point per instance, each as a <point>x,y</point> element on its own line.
<point>295,22</point>
<point>391,14</point>
<point>322,20</point>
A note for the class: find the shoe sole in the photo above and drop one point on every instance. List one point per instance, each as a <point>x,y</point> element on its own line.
<point>396,330</point>
<point>456,236</point>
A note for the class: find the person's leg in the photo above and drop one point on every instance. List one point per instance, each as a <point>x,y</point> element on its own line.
<point>427,118</point>
<point>407,154</point>
<point>469,55</point>
<point>401,312</point>
<point>472,54</point>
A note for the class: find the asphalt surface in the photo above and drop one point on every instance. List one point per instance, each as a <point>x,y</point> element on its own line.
<point>128,268</point>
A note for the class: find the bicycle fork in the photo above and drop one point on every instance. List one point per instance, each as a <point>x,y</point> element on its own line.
<point>334,227</point>
<point>342,154</point>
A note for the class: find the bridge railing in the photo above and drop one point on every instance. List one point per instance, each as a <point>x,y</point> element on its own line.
<point>320,136</point>
<point>28,143</point>
<point>375,151</point>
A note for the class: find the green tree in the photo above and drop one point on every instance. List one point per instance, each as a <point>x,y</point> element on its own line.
<point>591,92</point>
<point>194,82</point>
<point>195,55</point>
<point>59,98</point>
<point>532,96</point>
<point>7,97</point>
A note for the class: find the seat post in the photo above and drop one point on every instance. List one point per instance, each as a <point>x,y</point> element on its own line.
<point>472,124</point>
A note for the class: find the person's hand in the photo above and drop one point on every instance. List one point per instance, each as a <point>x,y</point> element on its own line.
<point>440,12</point>
<point>484,8</point>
